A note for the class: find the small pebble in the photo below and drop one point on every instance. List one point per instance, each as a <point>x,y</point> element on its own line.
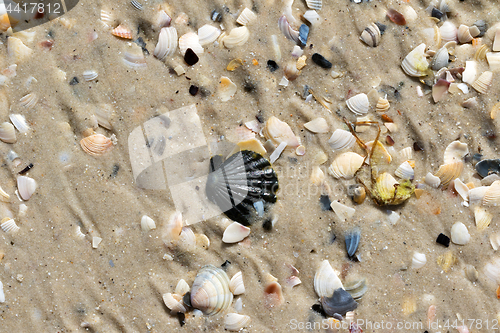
<point>325,202</point>
<point>190,57</point>
<point>268,225</point>
<point>319,60</point>
<point>193,90</point>
<point>417,146</point>
<point>272,65</point>
<point>74,81</point>
<point>443,240</point>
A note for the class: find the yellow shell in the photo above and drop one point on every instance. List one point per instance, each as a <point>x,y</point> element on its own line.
<point>382,105</point>
<point>96,144</point>
<point>481,52</point>
<point>385,186</point>
<point>483,218</point>
<point>448,172</point>
<point>446,260</point>
<point>380,152</point>
<point>226,89</point>
<point>253,145</point>
<point>483,82</point>
<point>494,111</point>
<point>233,64</point>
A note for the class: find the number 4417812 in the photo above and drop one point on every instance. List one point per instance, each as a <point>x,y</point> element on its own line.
<point>33,7</point>
<point>476,324</point>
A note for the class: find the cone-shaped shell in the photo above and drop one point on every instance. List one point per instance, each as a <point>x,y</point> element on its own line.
<point>359,104</point>
<point>341,139</point>
<point>482,217</point>
<point>167,43</point>
<point>26,186</point>
<point>326,280</point>
<point>210,291</point>
<point>236,284</point>
<point>278,131</point>
<point>450,171</point>
<point>237,37</point>
<point>346,165</point>
<point>483,82</point>
<point>415,64</point>
<point>235,322</point>
<point>96,144</point>
<point>492,194</point>
<point>455,152</point>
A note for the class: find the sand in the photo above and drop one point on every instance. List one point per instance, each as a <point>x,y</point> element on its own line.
<point>55,281</point>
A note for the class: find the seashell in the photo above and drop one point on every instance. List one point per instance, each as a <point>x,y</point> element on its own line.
<point>208,34</point>
<point>235,233</point>
<point>385,186</point>
<point>418,260</point>
<point>405,171</point>
<point>371,35</point>
<point>210,291</point>
<point>487,167</point>
<point>174,303</point>
<point>29,100</point>
<point>341,139</point>
<point>439,90</point>
<point>471,273</point>
<point>493,60</point>
<point>482,217</point>
<point>4,196</point>
<point>90,75</point>
<point>346,165</point>
<point>7,133</point>
<point>446,260</point>
<point>492,270</point>
<point>356,288</point>
<point>278,131</point>
<point>311,16</point>
<point>96,144</point>
<point>483,82</point>
<point>202,241</point>
<point>463,34</point>
<point>455,152</point>
<point>342,211</point>
<point>147,223</point>
<point>459,234</point>
<point>136,4</point>
<point>461,189</point>
<point>382,105</point>
<point>167,43</point>
<point>496,41</point>
<point>476,194</point>
<point>224,184</point>
<point>246,17</point>
<point>287,30</point>
<point>326,280</point>
<point>191,41</point>
<point>122,32</point>
<point>495,241</point>
<point>237,37</point>
<point>292,281</point>
<point>448,32</point>
<point>19,122</point>
<point>488,180</point>
<point>340,302</point>
<point>441,59</point>
<point>470,102</point>
<point>9,225</point>
<point>396,17</point>
<point>357,192</point>
<point>291,71</point>
<point>236,284</point>
<point>317,125</point>
<point>226,89</point>
<point>448,172</point>
<point>235,322</point>
<point>79,233</point>
<point>17,50</point>
<point>173,229</point>
<point>103,114</point>
<point>187,238</point>
<point>470,72</point>
<point>273,295</point>
<point>492,194</point>
<point>26,187</point>
<point>253,145</point>
<point>163,19</point>
<point>107,18</point>
<point>300,150</point>
<point>182,288</point>
<point>134,57</point>
<point>359,104</point>
<point>432,180</point>
<point>415,64</point>
<point>406,153</point>
<point>317,176</point>
<point>314,4</point>
<point>277,152</point>
<point>391,127</point>
<point>352,241</point>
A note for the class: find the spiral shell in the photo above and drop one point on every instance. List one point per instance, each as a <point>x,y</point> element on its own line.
<point>346,165</point>
<point>96,144</point>
<point>167,43</point>
<point>415,64</point>
<point>210,291</point>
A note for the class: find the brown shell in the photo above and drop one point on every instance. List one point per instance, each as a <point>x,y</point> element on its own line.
<point>396,17</point>
<point>96,144</point>
<point>450,171</point>
<point>122,32</point>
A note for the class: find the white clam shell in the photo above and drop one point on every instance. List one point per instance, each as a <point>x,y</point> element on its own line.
<point>415,64</point>
<point>326,280</point>
<point>147,223</point>
<point>237,37</point>
<point>163,19</point>
<point>495,241</point>
<point>226,89</point>
<point>483,82</point>
<point>187,238</point>
<point>455,152</point>
<point>342,211</point>
<point>174,303</point>
<point>440,59</point>
<point>341,139</point>
<point>9,225</point>
<point>26,187</point>
<point>78,233</point>
<point>359,104</point>
<point>482,217</point>
<point>191,41</point>
<point>235,233</point>
<point>312,16</point>
<point>448,32</point>
<point>314,4</point>
<point>90,75</point>
<point>208,34</point>
<point>346,165</point>
<point>210,291</point>
<point>278,131</point>
<point>107,18</point>
<point>182,287</point>
<point>236,284</point>
<point>470,73</point>
<point>418,260</point>
<point>405,171</point>
<point>492,270</point>
<point>167,43</point>
<point>96,241</point>
<point>317,125</point>
<point>235,322</point>
<point>7,133</point>
<point>19,122</point>
<point>492,194</point>
<point>464,34</point>
<point>246,17</point>
<point>406,153</point>
<point>292,281</point>
<point>493,59</point>
<point>459,234</point>
<point>317,176</point>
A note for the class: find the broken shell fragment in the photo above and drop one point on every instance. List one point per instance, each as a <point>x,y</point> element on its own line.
<point>359,104</point>
<point>314,4</point>
<point>432,180</point>
<point>483,82</point>
<point>459,234</point>
<point>455,152</point>
<point>352,241</point>
<point>19,122</point>
<point>287,30</point>
<point>448,172</point>
<point>226,89</point>
<point>471,273</point>
<point>342,211</point>
<point>174,303</point>
<point>236,284</point>
<point>29,100</point>
<point>470,73</point>
<point>396,16</point>
<point>89,75</point>
<point>461,189</point>
<point>415,64</point>
<point>147,223</point>
<point>405,171</point>
<point>96,144</point>
<point>341,139</point>
<point>122,32</point>
<point>246,17</point>
<point>441,59</point>
<point>326,280</point>
<point>371,35</point>
<point>235,233</point>
<point>317,125</point>
<point>346,165</point>
<point>237,37</point>
<point>26,187</point>
<point>9,225</point>
<point>482,217</point>
<point>210,291</point>
<point>17,50</point>
<point>439,90</point>
<point>340,302</point>
<point>167,43</point>
<point>278,131</point>
<point>493,59</point>
<point>182,287</point>
<point>356,288</point>
<point>418,260</point>
<point>235,322</point>
<point>7,133</point>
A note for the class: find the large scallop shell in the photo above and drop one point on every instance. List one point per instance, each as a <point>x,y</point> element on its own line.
<point>226,89</point>
<point>167,43</point>
<point>96,144</point>
<point>26,186</point>
<point>483,82</point>
<point>450,171</point>
<point>210,291</point>
<point>371,35</point>
<point>415,64</point>
<point>448,32</point>
<point>287,30</point>
<point>492,194</point>
<point>236,184</point>
<point>455,152</point>
<point>278,131</point>
<point>208,34</point>
<point>463,34</point>
<point>326,280</point>
<point>346,165</point>
<point>236,284</point>
<point>7,133</point>
<point>482,217</point>
<point>235,322</point>
<point>246,17</point>
<point>359,104</point>
<point>341,139</point>
<point>122,32</point>
<point>237,37</point>
<point>191,41</point>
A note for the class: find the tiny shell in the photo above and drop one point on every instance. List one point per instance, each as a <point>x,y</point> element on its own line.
<point>312,17</point>
<point>446,260</point>
<point>326,280</point>
<point>174,303</point>
<point>314,4</point>
<point>415,64</point>
<point>461,189</point>
<point>278,131</point>
<point>455,152</point>
<point>237,37</point>
<point>167,43</point>
<point>208,34</point>
<point>122,32</point>
<point>382,105</point>
<point>396,17</point>
<point>17,50</point>
<point>418,260</point>
<point>163,19</point>
<point>291,71</point>
<point>317,176</point>
<point>134,57</point>
<point>79,233</point>
<point>406,153</point>
<point>226,89</point>
<point>273,295</point>
<point>19,122</point>
<point>26,187</point>
<point>483,82</point>
<point>147,223</point>
<point>90,75</point>
<point>463,34</point>
<point>191,41</point>
<point>29,100</point>
<point>235,322</point>
<point>482,217</point>
<point>359,104</point>
<point>459,234</point>
<point>292,281</point>
<point>448,32</point>
<point>439,89</point>
<point>471,273</point>
<point>300,150</point>
<point>432,180</point>
<point>210,291</point>
<point>470,102</point>
<point>346,165</point>
<point>7,133</point>
<point>371,35</point>
<point>246,17</point>
<point>341,139</point>
<point>107,18</point>
<point>342,211</point>
<point>96,144</point>
<point>9,225</point>
<point>317,125</point>
<point>495,241</point>
<point>287,30</point>
<point>492,194</point>
<point>448,172</point>
<point>405,171</point>
<point>96,241</point>
<point>236,284</point>
<point>235,232</point>
<point>4,196</point>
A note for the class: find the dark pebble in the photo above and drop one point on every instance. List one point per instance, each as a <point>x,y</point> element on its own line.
<point>325,202</point>
<point>114,172</point>
<point>443,240</point>
<point>225,264</point>
<point>303,34</point>
<point>267,225</point>
<point>193,90</point>
<point>417,146</point>
<point>190,57</point>
<point>490,134</point>
<point>249,86</point>
<point>437,13</point>
<point>272,65</point>
<point>28,168</point>
<point>319,309</point>
<point>74,81</point>
<point>260,117</point>
<point>319,60</point>
<point>216,16</point>
<point>182,318</point>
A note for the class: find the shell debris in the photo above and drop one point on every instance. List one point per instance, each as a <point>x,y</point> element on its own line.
<point>226,89</point>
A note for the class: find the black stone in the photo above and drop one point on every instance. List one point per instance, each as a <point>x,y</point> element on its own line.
<point>204,92</point>
<point>267,225</point>
<point>260,118</point>
<point>417,146</point>
<point>325,202</point>
<point>272,65</point>
<point>225,264</point>
<point>28,168</point>
<point>319,60</point>
<point>437,13</point>
<point>182,318</point>
<point>187,299</point>
<point>443,240</point>
<point>190,57</point>
<point>193,90</point>
<point>249,86</point>
<point>74,81</point>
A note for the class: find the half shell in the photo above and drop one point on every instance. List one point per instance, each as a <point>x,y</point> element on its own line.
<point>90,75</point>
<point>482,217</point>
<point>9,225</point>
<point>359,104</point>
<point>448,32</point>
<point>346,165</point>
<point>463,34</point>
<point>235,322</point>
<point>147,223</point>
<point>448,172</point>
<point>237,37</point>
<point>226,89</point>
<point>235,233</point>
<point>382,105</point>
<point>405,171</point>
<point>287,30</point>
<point>371,35</point>
<point>7,133</point>
<point>246,17</point>
<point>418,260</point>
<point>210,291</point>
<point>342,211</point>
<point>483,82</point>
<point>191,41</point>
<point>236,284</point>
<point>314,4</point>
<point>278,131</point>
<point>455,152</point>
<point>19,122</point>
<point>492,194</point>
<point>26,187</point>
<point>208,34</point>
<point>167,43</point>
<point>341,139</point>
<point>415,64</point>
<point>326,280</point>
<point>317,125</point>
<point>96,144</point>
<point>459,234</point>
<point>174,303</point>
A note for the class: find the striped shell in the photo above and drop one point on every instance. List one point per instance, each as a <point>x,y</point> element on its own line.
<point>492,194</point>
<point>191,41</point>
<point>326,280</point>
<point>29,100</point>
<point>236,284</point>
<point>448,32</point>
<point>122,32</point>
<point>96,144</point>
<point>415,64</point>
<point>208,34</point>
<point>237,37</point>
<point>9,225</point>
<point>235,322</point>
<point>19,122</point>
<point>107,18</point>
<point>167,43</point>
<point>385,185</point>
<point>371,35</point>
<point>287,30</point>
<point>405,171</point>
<point>90,75</point>
<point>246,17</point>
<point>482,217</point>
<point>455,152</point>
<point>483,82</point>
<point>341,139</point>
<point>418,260</point>
<point>382,105</point>
<point>448,172</point>
<point>346,165</point>
<point>464,34</point>
<point>134,57</point>
<point>314,4</point>
<point>26,186</point>
<point>210,291</point>
<point>359,104</point>
<point>7,133</point>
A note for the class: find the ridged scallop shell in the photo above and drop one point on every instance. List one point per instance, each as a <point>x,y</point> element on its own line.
<point>476,194</point>
<point>482,217</point>
<point>418,260</point>
<point>481,52</point>
<point>346,165</point>
<point>340,303</point>
<point>448,32</point>
<point>191,41</point>
<point>405,171</point>
<point>237,37</point>
<point>246,17</point>
<point>208,34</point>
<point>134,57</point>
<point>236,284</point>
<point>385,185</point>
<point>463,34</point>
<point>107,18</point>
<point>235,322</point>
<point>26,186</point>
<point>278,131</point>
<point>440,59</point>
<point>235,233</point>
<point>314,4</point>
<point>96,144</point>
<point>356,288</point>
<point>341,139</point>
<point>483,82</point>
<point>19,122</point>
<point>9,225</point>
<point>7,133</point>
<point>371,35</point>
<point>147,223</point>
<point>493,59</point>
<point>317,125</point>
<point>167,43</point>
<point>226,180</point>
<point>470,72</point>
<point>122,32</point>
<point>287,30</point>
<point>226,89</point>
<point>382,105</point>
<point>29,100</point>
<point>415,64</point>
<point>326,280</point>
<point>492,194</point>
<point>406,154</point>
<point>174,303</point>
<point>455,152</point>
<point>448,172</point>
<point>432,180</point>
<point>90,75</point>
<point>459,234</point>
<point>17,50</point>
<point>359,104</point>
<point>210,291</point>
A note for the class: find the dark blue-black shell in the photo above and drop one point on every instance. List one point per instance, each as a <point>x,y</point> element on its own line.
<point>340,303</point>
